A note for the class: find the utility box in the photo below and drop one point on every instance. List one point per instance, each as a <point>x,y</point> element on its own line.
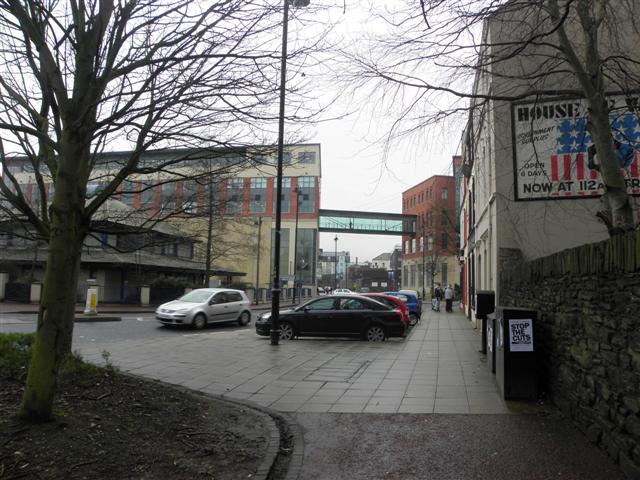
<point>485,304</point>
<point>516,363</point>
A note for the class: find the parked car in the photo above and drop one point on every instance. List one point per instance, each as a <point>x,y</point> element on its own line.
<point>413,304</point>
<point>337,316</point>
<point>203,306</point>
<point>342,291</point>
<point>393,302</point>
<point>417,297</point>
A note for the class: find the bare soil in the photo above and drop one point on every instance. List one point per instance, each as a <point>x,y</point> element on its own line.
<point>108,425</point>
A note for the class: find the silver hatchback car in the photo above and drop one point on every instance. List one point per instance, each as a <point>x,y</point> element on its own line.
<point>206,305</point>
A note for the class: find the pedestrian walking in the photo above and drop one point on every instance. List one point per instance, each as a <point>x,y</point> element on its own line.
<point>437,293</point>
<point>448,297</point>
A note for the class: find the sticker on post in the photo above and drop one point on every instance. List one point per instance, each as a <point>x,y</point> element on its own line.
<point>521,335</point>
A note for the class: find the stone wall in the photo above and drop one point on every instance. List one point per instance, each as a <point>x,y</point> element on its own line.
<point>588,300</point>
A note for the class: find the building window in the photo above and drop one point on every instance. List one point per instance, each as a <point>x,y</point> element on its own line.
<point>443,217</point>
<point>413,245</point>
<point>168,196</point>
<point>444,276</point>
<point>412,279</point>
<point>405,275</point>
<point>445,241</point>
<point>285,203</point>
<point>260,159</point>
<point>257,195</point>
<point>430,243</point>
<point>34,197</point>
<point>129,191</point>
<point>284,250</point>
<point>189,196</point>
<point>305,255</point>
<point>307,157</point>
<point>93,188</point>
<point>406,247</point>
<point>308,194</point>
<point>147,194</point>
<point>286,158</point>
<point>421,244</point>
<point>444,193</point>
<point>233,203</point>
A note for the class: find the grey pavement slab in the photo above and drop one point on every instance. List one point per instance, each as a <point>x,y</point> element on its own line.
<point>425,407</point>
<point>436,369</point>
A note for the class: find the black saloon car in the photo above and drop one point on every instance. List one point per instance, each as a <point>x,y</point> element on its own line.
<point>337,316</point>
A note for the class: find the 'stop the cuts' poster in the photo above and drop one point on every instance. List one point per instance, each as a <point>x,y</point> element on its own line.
<point>554,155</point>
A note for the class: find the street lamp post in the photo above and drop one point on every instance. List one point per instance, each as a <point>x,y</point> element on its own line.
<point>275,288</point>
<point>298,192</point>
<point>422,274</point>
<point>257,290</point>
<point>335,267</point>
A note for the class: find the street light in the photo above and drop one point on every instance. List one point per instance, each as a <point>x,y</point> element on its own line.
<point>275,289</point>
<point>257,290</point>
<point>298,192</point>
<point>422,274</point>
<point>335,268</point>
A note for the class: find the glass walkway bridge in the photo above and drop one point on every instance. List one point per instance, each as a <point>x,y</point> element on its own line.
<point>372,223</point>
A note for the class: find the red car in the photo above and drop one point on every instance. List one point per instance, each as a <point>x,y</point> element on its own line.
<point>393,302</point>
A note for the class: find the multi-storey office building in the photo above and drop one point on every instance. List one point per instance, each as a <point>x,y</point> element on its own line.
<point>222,198</point>
<point>430,257</point>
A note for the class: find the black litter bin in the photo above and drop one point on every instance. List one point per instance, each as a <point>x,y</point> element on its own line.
<point>490,333</point>
<point>515,354</point>
<point>485,304</point>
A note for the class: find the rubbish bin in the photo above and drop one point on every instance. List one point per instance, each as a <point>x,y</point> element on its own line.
<point>490,334</point>
<point>485,304</point>
<point>515,354</point>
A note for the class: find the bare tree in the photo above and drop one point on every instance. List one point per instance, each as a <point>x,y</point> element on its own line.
<point>425,66</point>
<point>81,78</point>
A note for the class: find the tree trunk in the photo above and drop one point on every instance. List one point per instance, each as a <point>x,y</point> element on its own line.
<point>619,215</point>
<point>56,314</point>
<point>55,327</point>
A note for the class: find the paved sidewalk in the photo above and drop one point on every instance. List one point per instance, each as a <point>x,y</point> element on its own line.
<point>366,410</point>
<point>437,369</point>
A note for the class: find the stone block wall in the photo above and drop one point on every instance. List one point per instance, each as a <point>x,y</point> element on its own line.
<point>588,338</point>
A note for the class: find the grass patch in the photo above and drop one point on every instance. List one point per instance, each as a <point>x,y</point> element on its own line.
<point>15,352</point>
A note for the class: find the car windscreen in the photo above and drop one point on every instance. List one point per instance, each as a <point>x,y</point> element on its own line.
<point>196,296</point>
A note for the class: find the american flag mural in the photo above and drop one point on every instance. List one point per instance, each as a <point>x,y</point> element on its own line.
<point>551,149</point>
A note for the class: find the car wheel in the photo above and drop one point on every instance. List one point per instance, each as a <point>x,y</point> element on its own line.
<point>199,321</point>
<point>375,333</point>
<point>286,331</point>
<point>413,319</point>
<point>245,318</point>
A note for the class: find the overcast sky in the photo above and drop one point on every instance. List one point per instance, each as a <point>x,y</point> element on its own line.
<point>356,174</point>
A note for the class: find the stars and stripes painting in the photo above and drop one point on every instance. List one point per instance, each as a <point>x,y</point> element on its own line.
<point>554,154</point>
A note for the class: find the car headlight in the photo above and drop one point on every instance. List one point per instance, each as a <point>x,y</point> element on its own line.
<point>265,316</point>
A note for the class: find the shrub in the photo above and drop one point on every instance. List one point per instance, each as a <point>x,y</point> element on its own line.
<point>15,352</point>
